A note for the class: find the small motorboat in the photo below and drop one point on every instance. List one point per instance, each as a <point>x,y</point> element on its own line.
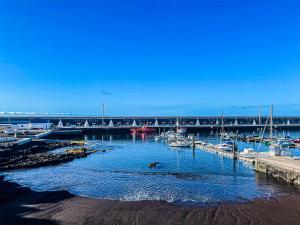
<point>248,153</point>
<point>224,147</point>
<point>180,142</point>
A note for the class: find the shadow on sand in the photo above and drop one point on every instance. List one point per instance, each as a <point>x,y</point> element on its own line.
<point>15,202</point>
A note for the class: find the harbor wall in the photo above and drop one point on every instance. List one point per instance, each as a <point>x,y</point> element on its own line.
<point>282,171</point>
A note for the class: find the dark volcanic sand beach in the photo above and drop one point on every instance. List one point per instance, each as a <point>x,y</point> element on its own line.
<point>19,205</point>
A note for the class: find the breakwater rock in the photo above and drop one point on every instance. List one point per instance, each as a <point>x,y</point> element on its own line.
<point>40,159</point>
<point>37,154</point>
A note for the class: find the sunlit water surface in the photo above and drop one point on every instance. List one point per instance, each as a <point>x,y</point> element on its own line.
<point>183,176</point>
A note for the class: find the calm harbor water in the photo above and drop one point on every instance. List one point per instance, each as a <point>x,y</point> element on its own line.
<point>183,176</point>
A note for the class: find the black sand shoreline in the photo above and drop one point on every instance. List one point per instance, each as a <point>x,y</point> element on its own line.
<point>21,205</point>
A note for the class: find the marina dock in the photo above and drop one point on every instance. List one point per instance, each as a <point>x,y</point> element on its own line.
<point>230,155</point>
<point>281,168</point>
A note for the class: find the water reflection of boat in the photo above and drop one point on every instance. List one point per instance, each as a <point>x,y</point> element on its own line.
<point>142,130</point>
<point>141,135</point>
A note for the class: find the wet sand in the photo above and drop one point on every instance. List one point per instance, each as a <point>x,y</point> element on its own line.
<point>19,205</point>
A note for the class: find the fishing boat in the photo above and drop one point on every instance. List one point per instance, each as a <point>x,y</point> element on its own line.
<point>142,130</point>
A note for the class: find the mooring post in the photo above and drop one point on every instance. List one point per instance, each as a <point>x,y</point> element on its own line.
<point>234,150</point>
<point>193,141</point>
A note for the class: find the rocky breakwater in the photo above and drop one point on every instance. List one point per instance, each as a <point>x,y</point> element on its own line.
<point>37,154</point>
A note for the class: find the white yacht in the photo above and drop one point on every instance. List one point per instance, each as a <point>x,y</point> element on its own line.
<point>180,143</point>
<point>248,153</point>
<point>224,147</point>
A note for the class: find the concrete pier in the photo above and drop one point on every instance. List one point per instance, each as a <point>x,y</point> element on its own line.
<point>281,168</point>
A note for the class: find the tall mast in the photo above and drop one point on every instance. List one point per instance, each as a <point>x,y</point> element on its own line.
<point>222,127</point>
<point>222,122</point>
<point>271,123</point>
<point>102,114</point>
<point>259,114</point>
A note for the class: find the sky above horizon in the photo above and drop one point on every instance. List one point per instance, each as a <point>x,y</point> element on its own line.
<point>194,57</point>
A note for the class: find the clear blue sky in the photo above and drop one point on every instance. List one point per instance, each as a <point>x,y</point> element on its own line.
<point>191,57</point>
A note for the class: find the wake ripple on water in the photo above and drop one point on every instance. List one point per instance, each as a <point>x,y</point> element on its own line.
<point>179,175</point>
<point>168,195</point>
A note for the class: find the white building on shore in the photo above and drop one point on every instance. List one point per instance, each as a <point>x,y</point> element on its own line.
<point>33,124</point>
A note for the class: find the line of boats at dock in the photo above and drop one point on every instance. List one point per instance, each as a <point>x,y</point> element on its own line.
<point>227,144</point>
<point>277,145</point>
<point>283,141</point>
<point>177,139</point>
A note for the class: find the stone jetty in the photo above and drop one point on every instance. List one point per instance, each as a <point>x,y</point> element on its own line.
<point>281,168</point>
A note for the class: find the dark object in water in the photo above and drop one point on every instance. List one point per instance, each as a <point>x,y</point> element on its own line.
<point>153,164</point>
